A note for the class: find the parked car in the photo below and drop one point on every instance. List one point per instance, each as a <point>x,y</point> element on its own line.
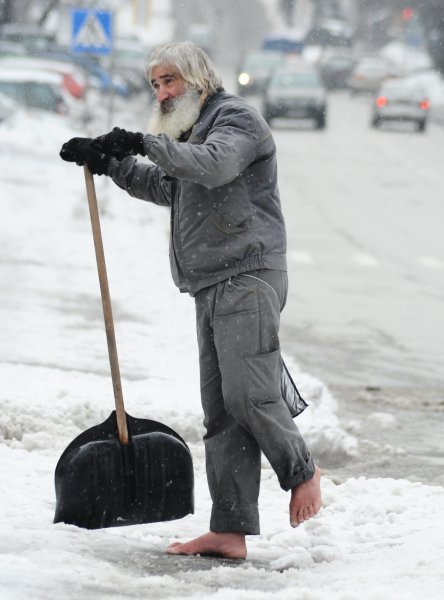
<point>369,73</point>
<point>256,70</point>
<point>98,77</point>
<point>401,100</point>
<point>335,70</point>
<point>296,93</point>
<point>33,89</point>
<point>74,80</point>
<point>32,37</point>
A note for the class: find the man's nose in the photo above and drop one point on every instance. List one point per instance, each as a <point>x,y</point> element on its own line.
<point>162,95</point>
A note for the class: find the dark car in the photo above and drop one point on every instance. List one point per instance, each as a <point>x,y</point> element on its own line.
<point>296,93</point>
<point>401,100</point>
<point>255,71</point>
<point>335,70</point>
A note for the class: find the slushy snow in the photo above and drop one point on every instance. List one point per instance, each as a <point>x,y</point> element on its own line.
<point>373,539</point>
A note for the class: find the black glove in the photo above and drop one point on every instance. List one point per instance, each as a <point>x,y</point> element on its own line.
<point>119,143</point>
<point>80,151</point>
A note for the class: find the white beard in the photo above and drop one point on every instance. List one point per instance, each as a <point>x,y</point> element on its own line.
<point>182,114</point>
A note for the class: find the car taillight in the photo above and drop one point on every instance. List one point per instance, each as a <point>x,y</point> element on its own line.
<point>425,105</point>
<point>381,101</point>
<point>74,88</point>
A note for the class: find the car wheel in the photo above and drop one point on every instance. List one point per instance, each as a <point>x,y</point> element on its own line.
<point>321,122</point>
<point>422,126</point>
<point>376,122</point>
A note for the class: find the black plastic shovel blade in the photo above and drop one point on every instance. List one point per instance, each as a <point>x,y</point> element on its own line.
<point>101,483</point>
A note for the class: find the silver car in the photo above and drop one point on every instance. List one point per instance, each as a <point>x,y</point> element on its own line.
<point>33,89</point>
<point>401,100</point>
<point>368,74</point>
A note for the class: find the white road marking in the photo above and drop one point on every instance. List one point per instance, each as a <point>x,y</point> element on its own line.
<point>303,258</point>
<point>365,260</point>
<point>430,262</point>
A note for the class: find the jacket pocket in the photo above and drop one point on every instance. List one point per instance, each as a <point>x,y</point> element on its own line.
<point>227,224</point>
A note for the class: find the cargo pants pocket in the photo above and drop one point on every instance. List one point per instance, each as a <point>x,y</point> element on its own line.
<point>262,376</point>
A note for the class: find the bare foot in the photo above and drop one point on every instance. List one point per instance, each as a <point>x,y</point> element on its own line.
<point>306,499</point>
<point>226,545</point>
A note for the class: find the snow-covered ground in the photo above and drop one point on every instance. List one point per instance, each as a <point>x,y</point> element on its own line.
<point>373,539</point>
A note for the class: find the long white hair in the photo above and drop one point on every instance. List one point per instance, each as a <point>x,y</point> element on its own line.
<point>191,62</point>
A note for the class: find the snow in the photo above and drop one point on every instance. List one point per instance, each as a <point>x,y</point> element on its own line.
<point>373,539</point>
<point>406,58</point>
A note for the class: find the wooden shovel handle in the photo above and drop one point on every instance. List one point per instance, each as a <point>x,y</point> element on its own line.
<point>106,304</point>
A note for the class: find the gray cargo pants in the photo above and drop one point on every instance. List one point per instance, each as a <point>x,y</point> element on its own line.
<point>244,412</point>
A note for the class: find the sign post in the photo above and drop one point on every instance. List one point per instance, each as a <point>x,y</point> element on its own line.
<point>92,34</point>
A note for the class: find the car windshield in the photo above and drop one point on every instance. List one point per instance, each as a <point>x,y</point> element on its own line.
<point>290,80</point>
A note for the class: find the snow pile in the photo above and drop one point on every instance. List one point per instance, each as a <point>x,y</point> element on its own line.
<point>319,423</point>
<point>406,58</point>
<point>375,538</point>
<point>35,132</point>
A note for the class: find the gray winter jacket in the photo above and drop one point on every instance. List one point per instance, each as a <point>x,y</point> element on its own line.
<point>221,185</point>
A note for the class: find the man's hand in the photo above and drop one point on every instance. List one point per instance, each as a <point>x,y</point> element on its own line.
<point>119,143</point>
<point>80,151</point>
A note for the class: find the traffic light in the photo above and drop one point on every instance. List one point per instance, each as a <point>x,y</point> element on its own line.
<point>407,14</point>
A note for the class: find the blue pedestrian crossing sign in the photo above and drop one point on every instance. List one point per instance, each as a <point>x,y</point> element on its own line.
<point>91,31</point>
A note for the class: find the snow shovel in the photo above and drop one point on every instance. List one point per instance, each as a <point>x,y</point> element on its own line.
<point>125,471</point>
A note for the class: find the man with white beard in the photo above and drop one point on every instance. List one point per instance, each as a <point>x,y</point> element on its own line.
<point>215,167</point>
<point>175,115</point>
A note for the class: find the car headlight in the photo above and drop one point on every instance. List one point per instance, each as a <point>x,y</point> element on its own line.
<point>244,79</point>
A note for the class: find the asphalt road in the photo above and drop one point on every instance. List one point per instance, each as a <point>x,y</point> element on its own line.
<point>365,213</point>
